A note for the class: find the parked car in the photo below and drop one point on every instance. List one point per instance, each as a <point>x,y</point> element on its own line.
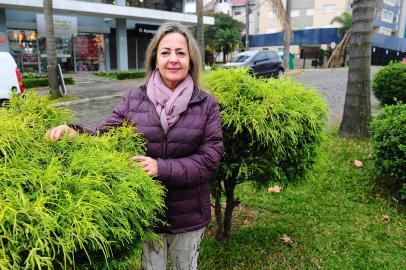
<point>261,63</point>
<point>10,77</point>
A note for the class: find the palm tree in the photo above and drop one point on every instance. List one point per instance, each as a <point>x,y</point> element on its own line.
<point>51,50</point>
<point>283,16</point>
<point>357,107</point>
<point>227,39</point>
<point>200,28</point>
<point>345,20</point>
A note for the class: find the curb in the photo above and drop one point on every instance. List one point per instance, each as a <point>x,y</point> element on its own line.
<point>87,100</point>
<point>294,72</point>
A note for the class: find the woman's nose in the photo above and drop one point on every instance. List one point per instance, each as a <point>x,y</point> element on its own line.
<point>173,57</point>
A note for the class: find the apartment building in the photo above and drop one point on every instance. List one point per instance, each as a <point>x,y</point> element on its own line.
<point>402,21</point>
<point>387,18</point>
<point>90,34</point>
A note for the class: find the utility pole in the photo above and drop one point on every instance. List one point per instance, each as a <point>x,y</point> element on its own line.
<point>247,23</point>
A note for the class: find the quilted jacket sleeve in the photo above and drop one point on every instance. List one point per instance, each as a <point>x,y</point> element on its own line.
<point>200,166</point>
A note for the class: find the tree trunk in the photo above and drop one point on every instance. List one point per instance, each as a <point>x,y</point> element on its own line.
<point>200,28</point>
<point>219,217</point>
<point>230,205</point>
<point>357,107</point>
<point>287,36</point>
<point>51,50</point>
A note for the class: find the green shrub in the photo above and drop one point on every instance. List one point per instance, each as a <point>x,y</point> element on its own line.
<point>389,143</point>
<point>272,130</point>
<point>125,75</point>
<point>66,203</point>
<point>389,84</point>
<point>104,74</point>
<point>30,82</point>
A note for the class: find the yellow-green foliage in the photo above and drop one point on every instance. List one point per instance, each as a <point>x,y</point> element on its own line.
<point>272,128</point>
<point>69,202</point>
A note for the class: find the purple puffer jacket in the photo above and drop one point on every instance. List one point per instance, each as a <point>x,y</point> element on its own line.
<point>188,154</point>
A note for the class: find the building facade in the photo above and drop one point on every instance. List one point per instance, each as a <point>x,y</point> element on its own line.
<point>90,35</point>
<point>387,18</point>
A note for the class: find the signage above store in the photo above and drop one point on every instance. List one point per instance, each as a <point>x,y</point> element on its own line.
<point>148,30</point>
<point>64,26</point>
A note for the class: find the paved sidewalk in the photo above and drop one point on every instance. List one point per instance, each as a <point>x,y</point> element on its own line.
<point>89,87</point>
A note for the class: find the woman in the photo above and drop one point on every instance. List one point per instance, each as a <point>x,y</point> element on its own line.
<point>182,126</point>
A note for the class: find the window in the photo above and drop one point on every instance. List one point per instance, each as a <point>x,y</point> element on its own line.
<point>260,57</point>
<point>271,30</point>
<point>390,2</point>
<point>237,12</point>
<point>271,15</point>
<point>387,16</point>
<point>330,8</point>
<point>309,12</point>
<point>272,55</point>
<point>385,31</point>
<point>295,13</point>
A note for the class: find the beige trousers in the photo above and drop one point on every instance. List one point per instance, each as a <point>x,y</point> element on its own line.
<point>183,249</point>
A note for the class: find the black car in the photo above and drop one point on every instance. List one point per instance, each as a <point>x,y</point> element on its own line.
<point>261,63</point>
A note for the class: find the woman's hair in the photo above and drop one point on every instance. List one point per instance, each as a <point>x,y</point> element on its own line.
<point>195,65</point>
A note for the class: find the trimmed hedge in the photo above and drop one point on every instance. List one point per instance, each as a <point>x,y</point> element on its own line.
<point>65,204</point>
<point>121,75</point>
<point>389,143</point>
<point>31,82</point>
<point>125,75</point>
<point>389,84</point>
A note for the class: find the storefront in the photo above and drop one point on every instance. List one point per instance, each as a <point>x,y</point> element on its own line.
<point>23,46</point>
<point>90,35</point>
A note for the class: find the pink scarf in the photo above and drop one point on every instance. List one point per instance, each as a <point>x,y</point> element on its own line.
<point>169,104</point>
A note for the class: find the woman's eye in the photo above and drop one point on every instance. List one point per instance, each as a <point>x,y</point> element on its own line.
<point>181,53</point>
<point>164,53</point>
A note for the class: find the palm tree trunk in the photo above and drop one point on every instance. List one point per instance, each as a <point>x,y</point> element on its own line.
<point>287,36</point>
<point>357,107</point>
<point>283,15</point>
<point>200,28</point>
<point>51,50</point>
<point>339,53</point>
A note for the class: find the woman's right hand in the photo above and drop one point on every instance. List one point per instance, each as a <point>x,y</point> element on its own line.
<point>55,133</point>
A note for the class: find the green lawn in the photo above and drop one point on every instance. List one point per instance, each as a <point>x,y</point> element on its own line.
<point>333,218</point>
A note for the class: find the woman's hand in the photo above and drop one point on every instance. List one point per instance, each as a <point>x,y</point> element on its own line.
<point>55,133</point>
<point>149,165</point>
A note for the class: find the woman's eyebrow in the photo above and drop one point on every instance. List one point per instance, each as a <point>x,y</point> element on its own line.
<point>177,49</point>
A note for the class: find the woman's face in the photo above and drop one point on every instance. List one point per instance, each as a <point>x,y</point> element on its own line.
<point>173,59</point>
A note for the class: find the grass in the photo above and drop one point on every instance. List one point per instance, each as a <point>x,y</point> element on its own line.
<point>333,218</point>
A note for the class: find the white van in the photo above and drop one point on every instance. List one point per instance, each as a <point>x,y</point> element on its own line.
<point>10,77</point>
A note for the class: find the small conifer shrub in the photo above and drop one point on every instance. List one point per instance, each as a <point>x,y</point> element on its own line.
<point>272,131</point>
<point>389,84</point>
<point>69,203</point>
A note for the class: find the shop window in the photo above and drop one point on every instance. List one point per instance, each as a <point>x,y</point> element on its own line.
<point>24,49</point>
<point>89,52</point>
<point>63,53</point>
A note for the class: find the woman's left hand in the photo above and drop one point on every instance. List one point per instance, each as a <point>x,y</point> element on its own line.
<point>149,165</point>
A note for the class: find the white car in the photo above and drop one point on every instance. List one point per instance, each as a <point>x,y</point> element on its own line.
<point>10,77</point>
